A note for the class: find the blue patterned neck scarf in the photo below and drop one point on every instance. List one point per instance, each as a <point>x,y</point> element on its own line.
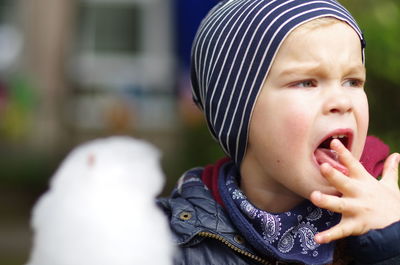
<point>287,236</point>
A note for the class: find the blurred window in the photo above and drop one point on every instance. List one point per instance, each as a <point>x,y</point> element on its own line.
<point>5,10</point>
<point>110,28</point>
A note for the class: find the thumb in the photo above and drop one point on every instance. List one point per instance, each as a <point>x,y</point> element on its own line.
<point>391,168</point>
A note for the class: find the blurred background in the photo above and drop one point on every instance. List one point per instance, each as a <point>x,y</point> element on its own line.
<point>74,70</point>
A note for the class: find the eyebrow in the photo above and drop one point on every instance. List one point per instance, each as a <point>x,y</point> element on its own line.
<point>359,68</point>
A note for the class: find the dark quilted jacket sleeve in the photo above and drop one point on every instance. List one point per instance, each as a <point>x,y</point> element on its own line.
<point>202,251</point>
<point>377,247</point>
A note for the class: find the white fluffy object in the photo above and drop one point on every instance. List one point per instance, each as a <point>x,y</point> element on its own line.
<point>100,208</point>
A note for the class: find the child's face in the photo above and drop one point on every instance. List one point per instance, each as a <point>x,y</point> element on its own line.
<point>314,90</point>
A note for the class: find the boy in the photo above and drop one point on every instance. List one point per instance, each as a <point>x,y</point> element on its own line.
<point>281,86</point>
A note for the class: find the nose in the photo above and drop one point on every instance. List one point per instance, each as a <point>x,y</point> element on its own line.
<point>337,101</point>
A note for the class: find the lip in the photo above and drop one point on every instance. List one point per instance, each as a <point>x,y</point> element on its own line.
<point>345,131</point>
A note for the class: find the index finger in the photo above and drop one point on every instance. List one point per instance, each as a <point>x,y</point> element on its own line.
<point>339,231</point>
<point>347,158</point>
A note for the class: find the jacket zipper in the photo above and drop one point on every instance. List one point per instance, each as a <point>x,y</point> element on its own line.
<point>234,248</point>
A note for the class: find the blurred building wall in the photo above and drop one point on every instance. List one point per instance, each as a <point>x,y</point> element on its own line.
<point>83,84</point>
<point>48,29</point>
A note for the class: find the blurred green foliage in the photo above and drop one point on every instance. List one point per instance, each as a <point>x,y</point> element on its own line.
<point>18,105</point>
<point>380,22</point>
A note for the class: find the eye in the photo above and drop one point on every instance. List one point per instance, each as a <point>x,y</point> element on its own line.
<point>304,84</point>
<point>354,83</point>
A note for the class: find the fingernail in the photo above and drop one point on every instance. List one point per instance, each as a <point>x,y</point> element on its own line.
<point>319,239</point>
<point>317,195</point>
<point>335,143</point>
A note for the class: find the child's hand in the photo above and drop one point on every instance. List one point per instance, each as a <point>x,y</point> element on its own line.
<point>366,203</point>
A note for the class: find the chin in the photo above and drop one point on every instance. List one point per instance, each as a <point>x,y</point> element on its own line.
<point>322,185</point>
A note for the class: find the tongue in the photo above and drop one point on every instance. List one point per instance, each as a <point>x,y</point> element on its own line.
<point>329,156</point>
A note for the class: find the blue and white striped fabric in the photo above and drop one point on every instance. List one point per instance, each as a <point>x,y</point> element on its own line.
<point>233,52</point>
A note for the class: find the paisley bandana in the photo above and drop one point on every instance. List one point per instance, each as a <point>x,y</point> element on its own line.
<point>287,236</point>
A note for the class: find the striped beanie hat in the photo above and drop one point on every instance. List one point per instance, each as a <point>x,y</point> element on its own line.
<point>232,53</point>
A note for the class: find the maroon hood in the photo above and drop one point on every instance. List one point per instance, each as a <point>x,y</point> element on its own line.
<point>374,156</point>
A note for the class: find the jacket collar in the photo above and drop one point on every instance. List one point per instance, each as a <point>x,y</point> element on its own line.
<point>196,212</point>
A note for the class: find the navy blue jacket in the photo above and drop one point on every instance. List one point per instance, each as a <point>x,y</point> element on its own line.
<point>206,236</point>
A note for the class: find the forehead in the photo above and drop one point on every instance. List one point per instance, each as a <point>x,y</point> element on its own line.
<point>318,23</point>
<point>323,42</point>
<point>317,30</point>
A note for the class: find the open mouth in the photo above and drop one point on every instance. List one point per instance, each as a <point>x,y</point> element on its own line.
<point>324,154</point>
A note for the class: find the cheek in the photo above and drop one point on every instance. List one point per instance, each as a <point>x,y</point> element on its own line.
<point>280,124</point>
<point>294,126</point>
<point>362,108</point>
<point>365,115</point>
<point>362,125</point>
